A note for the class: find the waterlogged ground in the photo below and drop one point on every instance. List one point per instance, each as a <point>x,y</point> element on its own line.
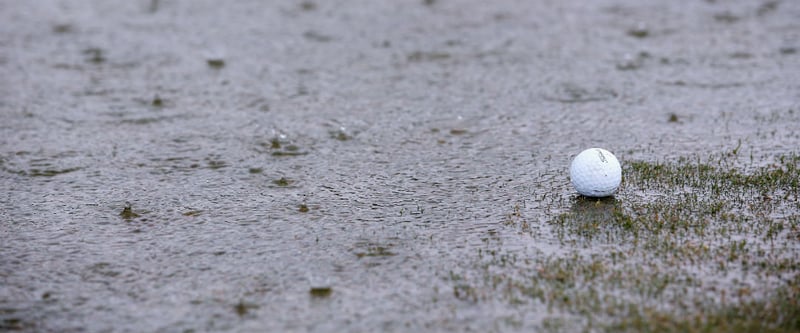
<point>329,166</point>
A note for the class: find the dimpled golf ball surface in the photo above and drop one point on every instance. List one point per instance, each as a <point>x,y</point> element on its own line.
<point>595,172</point>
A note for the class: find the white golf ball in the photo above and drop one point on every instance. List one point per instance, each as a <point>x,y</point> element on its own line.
<point>595,172</point>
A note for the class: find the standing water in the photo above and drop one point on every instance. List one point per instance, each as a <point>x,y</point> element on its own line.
<point>362,166</point>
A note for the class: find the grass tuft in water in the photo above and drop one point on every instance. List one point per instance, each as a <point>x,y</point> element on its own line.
<point>283,182</point>
<point>94,55</point>
<point>128,213</point>
<point>216,63</point>
<point>157,102</point>
<point>192,213</point>
<point>341,135</point>
<point>242,308</point>
<point>673,118</point>
<point>321,291</point>
<point>303,208</point>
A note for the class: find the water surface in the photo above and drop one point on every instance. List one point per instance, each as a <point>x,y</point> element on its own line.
<point>371,149</point>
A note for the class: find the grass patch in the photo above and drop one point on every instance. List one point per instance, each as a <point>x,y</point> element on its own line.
<point>779,313</point>
<point>718,177</point>
<point>688,246</point>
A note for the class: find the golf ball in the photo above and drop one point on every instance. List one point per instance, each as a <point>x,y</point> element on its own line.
<point>595,172</point>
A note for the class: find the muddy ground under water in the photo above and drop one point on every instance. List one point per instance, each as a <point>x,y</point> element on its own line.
<point>364,166</point>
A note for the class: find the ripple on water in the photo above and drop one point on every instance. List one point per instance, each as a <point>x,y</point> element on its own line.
<point>41,164</point>
<point>314,184</point>
<point>574,93</point>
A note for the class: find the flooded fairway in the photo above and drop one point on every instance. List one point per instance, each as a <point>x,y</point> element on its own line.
<point>362,166</point>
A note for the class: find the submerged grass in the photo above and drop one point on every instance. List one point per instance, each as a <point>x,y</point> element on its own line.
<point>687,246</point>
<point>779,312</point>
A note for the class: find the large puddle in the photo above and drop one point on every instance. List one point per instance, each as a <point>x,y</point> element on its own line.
<point>362,165</point>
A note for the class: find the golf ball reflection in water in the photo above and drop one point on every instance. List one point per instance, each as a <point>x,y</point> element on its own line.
<point>595,172</point>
